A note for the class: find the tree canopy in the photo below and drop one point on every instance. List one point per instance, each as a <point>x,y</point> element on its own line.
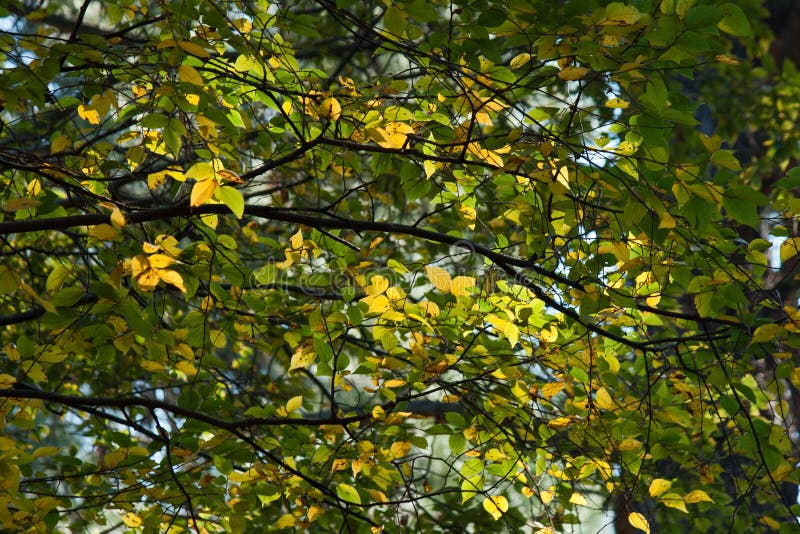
<point>399,265</point>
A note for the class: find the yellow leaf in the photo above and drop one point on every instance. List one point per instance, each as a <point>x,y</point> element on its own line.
<point>659,486</point>
<point>286,521</point>
<point>90,115</point>
<point>430,309</point>
<point>302,358</point>
<point>559,422</point>
<point>770,522</point>
<point>496,506</point>
<point>439,278</point>
<point>188,74</point>
<point>551,389</point>
<point>400,448</point>
<point>696,496</point>
<point>578,499</point>
<point>186,367</point>
<point>103,232</point>
<point>549,335</point>
<point>314,512</point>
<point>468,214</point>
<point>160,261</point>
<point>294,403</point>
<point>395,383</point>
<point>604,400</point>
<point>378,304</point>
<point>202,191</point>
<point>6,381</point>
<point>132,520</point>
<point>429,167</point>
<point>639,521</point>
<point>630,444</point>
<point>153,367</point>
<point>511,332</point>
<point>117,218</point>
<point>148,280</point>
<point>330,108</point>
<point>193,48</point>
<point>572,73</point>
<point>172,278</point>
<point>59,143</point>
<point>673,500</point>
<point>616,103</point>
<point>193,99</point>
<point>18,204</point>
<point>229,176</point>
<point>667,221</point>
<point>460,284</point>
<point>519,60</point>
<point>495,455</point>
<point>296,241</point>
<point>789,248</point>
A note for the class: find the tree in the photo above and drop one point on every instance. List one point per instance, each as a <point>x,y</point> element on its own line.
<point>398,266</point>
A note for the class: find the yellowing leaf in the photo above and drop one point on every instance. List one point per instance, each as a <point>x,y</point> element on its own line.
<point>429,167</point>
<point>519,60</point>
<point>767,332</point>
<point>673,500</point>
<point>496,506</point>
<point>186,367</point>
<point>348,493</point>
<point>439,278</point>
<point>639,521</point>
<point>572,73</point>
<point>395,383</point>
<point>511,332</point>
<point>495,455</point>
<point>294,403</point>
<point>667,221</point>
<point>604,400</point>
<point>430,309</point>
<point>103,232</point>
<point>193,49</point>
<point>59,143</point>
<point>188,74</point>
<point>696,496</point>
<point>6,381</point>
<point>659,486</point>
<point>18,204</point>
<point>131,519</point>
<point>202,191</point>
<point>630,444</point>
<point>460,284</point>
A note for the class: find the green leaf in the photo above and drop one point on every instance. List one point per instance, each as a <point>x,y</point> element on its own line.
<point>348,493</point>
<point>231,197</point>
<point>734,21</point>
